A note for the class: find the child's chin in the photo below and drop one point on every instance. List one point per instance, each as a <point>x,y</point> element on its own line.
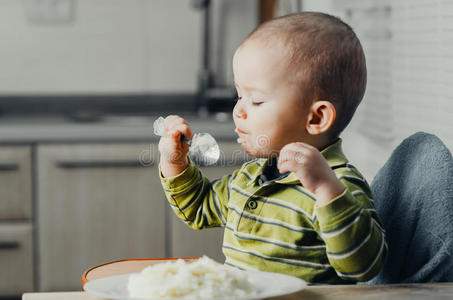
<point>249,151</point>
<point>257,153</point>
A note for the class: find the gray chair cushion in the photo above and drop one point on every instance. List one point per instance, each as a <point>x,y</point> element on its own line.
<point>413,195</point>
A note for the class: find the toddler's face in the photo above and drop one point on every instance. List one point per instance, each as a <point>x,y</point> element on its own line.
<point>270,112</point>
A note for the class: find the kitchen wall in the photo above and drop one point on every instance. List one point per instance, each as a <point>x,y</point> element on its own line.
<point>108,46</point>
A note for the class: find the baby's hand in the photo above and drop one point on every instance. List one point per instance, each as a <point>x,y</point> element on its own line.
<point>173,152</point>
<point>312,169</point>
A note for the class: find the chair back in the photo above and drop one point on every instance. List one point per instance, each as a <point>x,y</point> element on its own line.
<point>413,196</point>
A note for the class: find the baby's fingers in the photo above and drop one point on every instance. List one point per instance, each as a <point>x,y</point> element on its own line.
<point>178,130</point>
<point>176,126</point>
<point>287,166</point>
<point>289,154</point>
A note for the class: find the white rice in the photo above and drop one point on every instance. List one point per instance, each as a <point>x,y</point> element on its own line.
<point>201,279</point>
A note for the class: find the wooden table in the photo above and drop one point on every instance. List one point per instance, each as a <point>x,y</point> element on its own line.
<point>435,291</point>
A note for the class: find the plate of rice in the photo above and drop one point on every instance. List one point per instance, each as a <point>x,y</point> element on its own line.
<point>201,279</point>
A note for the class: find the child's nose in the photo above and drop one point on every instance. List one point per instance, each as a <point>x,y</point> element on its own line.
<point>239,111</point>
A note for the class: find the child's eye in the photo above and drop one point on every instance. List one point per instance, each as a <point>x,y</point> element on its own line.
<point>257,103</point>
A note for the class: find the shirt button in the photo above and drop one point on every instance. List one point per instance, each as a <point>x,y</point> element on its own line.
<point>252,204</point>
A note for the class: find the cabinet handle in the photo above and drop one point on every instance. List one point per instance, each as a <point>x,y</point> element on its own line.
<point>102,164</point>
<point>9,245</point>
<point>9,167</point>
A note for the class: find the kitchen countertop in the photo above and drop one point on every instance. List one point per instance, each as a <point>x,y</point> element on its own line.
<point>109,128</point>
<point>433,291</point>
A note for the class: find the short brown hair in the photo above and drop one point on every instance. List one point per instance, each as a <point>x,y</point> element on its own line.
<point>329,58</point>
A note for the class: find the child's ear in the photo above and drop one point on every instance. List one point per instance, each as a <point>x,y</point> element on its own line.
<point>321,117</point>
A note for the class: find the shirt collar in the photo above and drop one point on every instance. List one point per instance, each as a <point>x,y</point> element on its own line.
<point>262,163</point>
<point>332,153</point>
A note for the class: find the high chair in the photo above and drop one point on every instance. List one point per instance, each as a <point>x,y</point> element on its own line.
<point>124,266</point>
<point>413,196</point>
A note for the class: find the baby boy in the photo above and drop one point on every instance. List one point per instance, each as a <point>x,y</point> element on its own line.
<point>299,207</point>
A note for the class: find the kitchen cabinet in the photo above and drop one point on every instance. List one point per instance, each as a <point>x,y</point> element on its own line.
<point>96,203</point>
<point>16,229</point>
<point>15,183</point>
<point>16,258</point>
<point>193,243</point>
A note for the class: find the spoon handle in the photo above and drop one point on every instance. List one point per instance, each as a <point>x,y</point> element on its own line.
<point>186,140</point>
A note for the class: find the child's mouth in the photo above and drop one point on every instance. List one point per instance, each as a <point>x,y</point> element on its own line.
<point>239,131</point>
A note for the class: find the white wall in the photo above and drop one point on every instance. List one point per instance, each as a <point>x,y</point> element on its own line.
<point>116,46</point>
<point>325,6</point>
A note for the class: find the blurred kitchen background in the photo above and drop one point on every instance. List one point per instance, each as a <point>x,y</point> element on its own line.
<point>81,82</point>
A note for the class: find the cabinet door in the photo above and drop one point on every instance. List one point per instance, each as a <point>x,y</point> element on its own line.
<point>15,182</point>
<point>186,242</point>
<point>16,259</point>
<point>96,203</point>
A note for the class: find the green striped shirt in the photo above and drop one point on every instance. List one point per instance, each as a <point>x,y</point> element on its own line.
<point>275,226</point>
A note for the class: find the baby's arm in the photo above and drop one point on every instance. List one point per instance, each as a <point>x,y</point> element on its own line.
<point>348,224</point>
<point>196,200</point>
<point>193,198</point>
